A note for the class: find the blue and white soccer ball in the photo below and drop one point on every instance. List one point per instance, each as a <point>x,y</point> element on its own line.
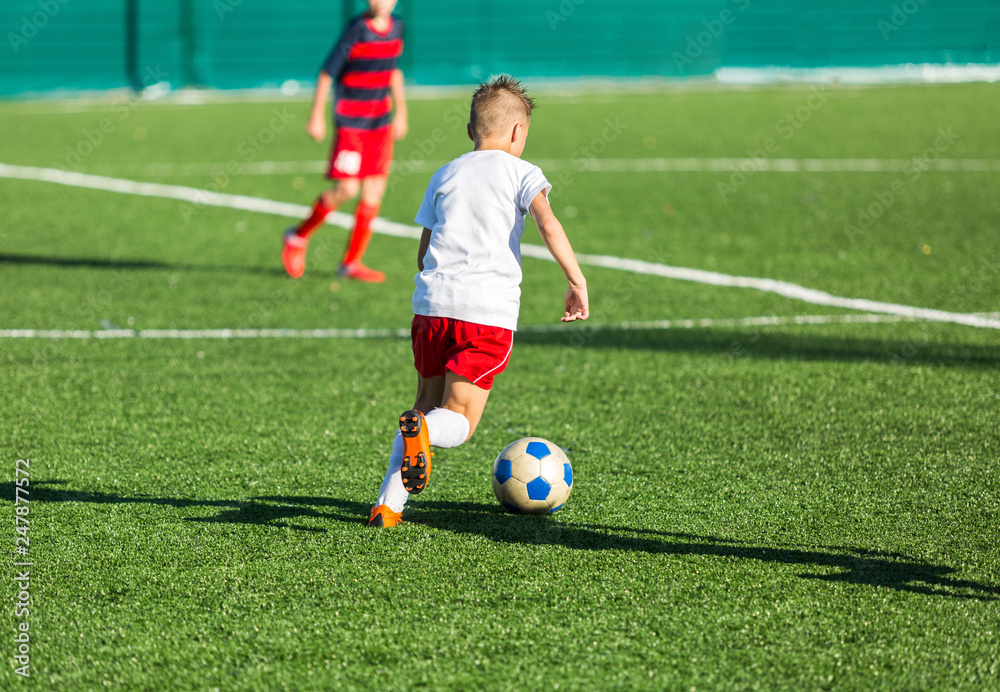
<point>532,476</point>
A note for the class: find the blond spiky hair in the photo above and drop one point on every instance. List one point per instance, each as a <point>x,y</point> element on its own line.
<point>498,104</point>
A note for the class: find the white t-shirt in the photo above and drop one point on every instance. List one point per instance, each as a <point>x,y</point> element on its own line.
<point>475,207</point>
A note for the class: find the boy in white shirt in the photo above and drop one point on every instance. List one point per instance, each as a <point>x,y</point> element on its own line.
<point>467,292</point>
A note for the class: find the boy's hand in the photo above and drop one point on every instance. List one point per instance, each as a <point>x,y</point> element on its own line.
<point>400,125</point>
<point>316,128</point>
<point>400,122</point>
<point>577,304</point>
<point>316,124</point>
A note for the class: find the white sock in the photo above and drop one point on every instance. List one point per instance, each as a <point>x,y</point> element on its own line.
<point>446,428</point>
<point>393,493</point>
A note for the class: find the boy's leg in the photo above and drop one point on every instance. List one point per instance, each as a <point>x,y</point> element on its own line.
<point>430,393</point>
<point>415,466</point>
<point>393,495</point>
<point>343,190</point>
<point>297,238</point>
<point>449,425</point>
<point>464,397</point>
<point>454,406</point>
<point>372,192</point>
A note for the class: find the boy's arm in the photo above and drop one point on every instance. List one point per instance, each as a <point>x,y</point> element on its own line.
<point>316,125</point>
<point>425,241</point>
<point>577,302</point>
<point>400,121</point>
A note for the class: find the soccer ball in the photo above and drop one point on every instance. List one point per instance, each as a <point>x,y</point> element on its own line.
<point>532,476</point>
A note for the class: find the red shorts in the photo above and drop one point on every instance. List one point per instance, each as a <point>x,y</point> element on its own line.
<point>475,351</point>
<point>361,153</point>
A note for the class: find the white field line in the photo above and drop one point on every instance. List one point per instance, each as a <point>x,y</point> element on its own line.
<point>83,334</point>
<point>190,195</point>
<point>188,334</point>
<point>782,288</point>
<point>266,206</point>
<point>725,165</point>
<point>598,165</point>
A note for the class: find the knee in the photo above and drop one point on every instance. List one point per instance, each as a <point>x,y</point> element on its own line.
<point>343,191</point>
<point>448,428</point>
<point>373,190</point>
<point>330,198</point>
<point>472,427</point>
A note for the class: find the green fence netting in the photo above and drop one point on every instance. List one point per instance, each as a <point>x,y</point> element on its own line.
<point>98,44</point>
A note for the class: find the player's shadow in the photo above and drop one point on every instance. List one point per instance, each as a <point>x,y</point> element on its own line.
<point>142,265</point>
<point>274,512</point>
<point>782,345</point>
<point>839,564</point>
<point>836,564</point>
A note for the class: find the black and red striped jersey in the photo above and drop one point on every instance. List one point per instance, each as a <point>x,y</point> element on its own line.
<point>361,63</point>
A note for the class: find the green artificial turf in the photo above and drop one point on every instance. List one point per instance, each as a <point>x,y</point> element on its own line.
<point>755,507</point>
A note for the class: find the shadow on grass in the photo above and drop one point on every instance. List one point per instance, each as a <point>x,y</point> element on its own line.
<point>274,513</point>
<point>778,345</point>
<point>137,264</point>
<point>845,564</point>
<point>752,342</point>
<point>848,564</point>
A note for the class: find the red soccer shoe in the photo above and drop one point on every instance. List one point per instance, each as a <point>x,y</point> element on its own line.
<point>359,272</point>
<point>294,254</point>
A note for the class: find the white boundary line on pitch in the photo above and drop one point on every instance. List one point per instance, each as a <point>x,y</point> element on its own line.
<point>596,165</point>
<point>256,204</point>
<point>365,333</point>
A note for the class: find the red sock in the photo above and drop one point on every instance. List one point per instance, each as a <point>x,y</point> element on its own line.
<point>358,242</point>
<point>319,212</point>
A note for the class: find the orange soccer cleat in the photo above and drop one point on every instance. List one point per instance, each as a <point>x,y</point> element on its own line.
<point>416,466</point>
<point>356,270</point>
<point>294,254</point>
<point>384,517</point>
